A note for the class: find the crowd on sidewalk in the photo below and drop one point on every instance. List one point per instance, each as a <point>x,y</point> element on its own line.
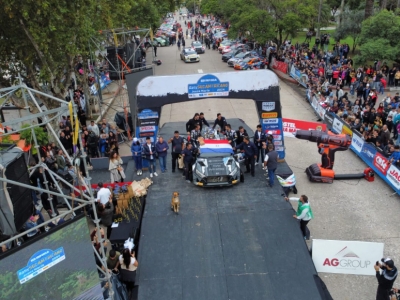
<point>355,94</point>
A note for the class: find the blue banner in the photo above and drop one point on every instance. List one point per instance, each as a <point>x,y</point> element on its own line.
<point>300,77</point>
<point>40,262</point>
<point>366,151</point>
<point>274,127</point>
<point>208,86</point>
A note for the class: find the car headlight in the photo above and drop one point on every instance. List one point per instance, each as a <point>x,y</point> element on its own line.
<point>234,170</point>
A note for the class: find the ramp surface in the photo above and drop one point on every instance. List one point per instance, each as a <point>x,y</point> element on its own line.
<point>232,243</point>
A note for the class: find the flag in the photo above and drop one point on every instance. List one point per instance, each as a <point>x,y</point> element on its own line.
<point>76,134</point>
<point>151,34</point>
<point>216,146</point>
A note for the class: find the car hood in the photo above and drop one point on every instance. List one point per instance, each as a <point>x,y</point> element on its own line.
<point>216,166</point>
<point>235,60</point>
<point>195,55</point>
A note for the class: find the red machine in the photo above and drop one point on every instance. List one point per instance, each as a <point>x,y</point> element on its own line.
<point>328,144</point>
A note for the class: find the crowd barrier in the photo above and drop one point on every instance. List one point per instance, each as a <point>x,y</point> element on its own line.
<point>370,154</point>
<point>301,78</point>
<point>279,65</point>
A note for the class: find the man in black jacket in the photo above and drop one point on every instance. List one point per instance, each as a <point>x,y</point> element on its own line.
<point>187,154</point>
<point>191,124</point>
<point>386,278</point>
<point>240,134</point>
<point>250,154</point>
<point>203,121</point>
<point>220,121</point>
<point>259,139</point>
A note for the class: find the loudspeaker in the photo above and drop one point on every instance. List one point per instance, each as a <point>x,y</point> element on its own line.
<point>115,64</point>
<point>21,197</point>
<point>130,54</point>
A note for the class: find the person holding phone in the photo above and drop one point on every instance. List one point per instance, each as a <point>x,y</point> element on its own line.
<point>386,278</point>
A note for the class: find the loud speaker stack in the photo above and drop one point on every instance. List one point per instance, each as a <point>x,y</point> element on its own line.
<point>115,64</point>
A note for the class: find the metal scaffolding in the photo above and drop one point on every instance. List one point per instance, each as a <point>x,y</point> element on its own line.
<point>84,200</point>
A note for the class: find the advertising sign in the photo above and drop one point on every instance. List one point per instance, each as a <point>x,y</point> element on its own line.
<point>290,126</point>
<point>300,77</point>
<point>346,257</point>
<point>270,121</point>
<point>269,115</point>
<point>381,163</point>
<point>148,114</point>
<point>40,262</point>
<point>337,125</point>
<point>357,143</point>
<point>148,122</point>
<point>368,152</point>
<point>393,175</point>
<point>280,65</point>
<point>328,119</point>
<point>268,106</point>
<point>147,128</point>
<point>208,86</point>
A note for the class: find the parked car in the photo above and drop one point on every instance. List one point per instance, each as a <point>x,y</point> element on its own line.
<point>247,63</point>
<point>229,55</point>
<point>160,42</point>
<point>237,58</point>
<point>198,47</point>
<point>189,55</point>
<point>225,44</point>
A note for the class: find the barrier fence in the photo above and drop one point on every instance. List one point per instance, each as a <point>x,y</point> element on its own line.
<point>374,157</point>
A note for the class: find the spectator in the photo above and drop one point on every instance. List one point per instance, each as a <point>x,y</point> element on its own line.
<point>113,260</point>
<point>303,213</point>
<point>94,128</point>
<point>149,151</point>
<point>128,265</point>
<point>105,212</point>
<point>115,168</point>
<point>162,148</point>
<point>136,150</point>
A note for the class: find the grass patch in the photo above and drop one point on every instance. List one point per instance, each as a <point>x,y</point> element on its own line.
<point>301,36</point>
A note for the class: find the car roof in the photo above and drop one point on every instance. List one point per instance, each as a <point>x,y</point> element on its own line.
<point>187,49</point>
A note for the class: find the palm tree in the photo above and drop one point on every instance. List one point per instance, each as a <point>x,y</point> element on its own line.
<point>369,8</point>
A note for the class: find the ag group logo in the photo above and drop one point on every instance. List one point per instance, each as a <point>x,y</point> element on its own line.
<point>346,259</point>
<point>381,163</point>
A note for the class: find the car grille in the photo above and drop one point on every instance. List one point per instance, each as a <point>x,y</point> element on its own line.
<point>216,179</point>
<point>193,59</point>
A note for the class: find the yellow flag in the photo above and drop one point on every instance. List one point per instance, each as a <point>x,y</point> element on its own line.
<point>76,133</point>
<point>71,111</point>
<point>151,34</point>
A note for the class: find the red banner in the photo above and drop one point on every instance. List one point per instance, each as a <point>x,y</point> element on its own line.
<point>280,66</point>
<point>290,126</point>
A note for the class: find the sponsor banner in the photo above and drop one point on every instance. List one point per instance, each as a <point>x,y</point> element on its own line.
<point>347,130</point>
<point>270,121</point>
<point>357,143</point>
<point>268,106</point>
<point>148,114</point>
<point>148,122</point>
<point>278,143</point>
<point>277,137</point>
<point>368,152</point>
<point>337,125</point>
<point>279,149</point>
<point>393,175</point>
<point>144,134</point>
<point>269,115</point>
<point>346,257</point>
<point>147,128</point>
<point>381,163</point>
<point>328,119</point>
<point>208,86</point>
<point>276,130</point>
<point>280,66</point>
<point>300,77</point>
<point>321,111</point>
<point>290,126</point>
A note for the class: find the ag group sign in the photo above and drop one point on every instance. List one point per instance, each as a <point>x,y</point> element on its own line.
<point>346,257</point>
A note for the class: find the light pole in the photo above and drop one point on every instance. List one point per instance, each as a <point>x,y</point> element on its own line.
<point>319,19</point>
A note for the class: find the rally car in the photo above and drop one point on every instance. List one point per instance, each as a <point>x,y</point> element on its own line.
<point>246,64</point>
<point>216,165</point>
<point>189,55</point>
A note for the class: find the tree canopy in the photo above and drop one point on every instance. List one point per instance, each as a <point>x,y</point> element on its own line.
<point>379,37</point>
<point>350,26</point>
<point>46,36</point>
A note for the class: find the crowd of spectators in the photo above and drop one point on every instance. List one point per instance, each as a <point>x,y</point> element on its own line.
<point>329,73</point>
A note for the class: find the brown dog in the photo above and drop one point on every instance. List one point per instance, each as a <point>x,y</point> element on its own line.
<point>175,202</point>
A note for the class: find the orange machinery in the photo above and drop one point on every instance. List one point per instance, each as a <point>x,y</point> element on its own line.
<point>328,143</point>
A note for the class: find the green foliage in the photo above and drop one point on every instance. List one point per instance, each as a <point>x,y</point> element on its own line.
<point>350,26</point>
<point>41,136</point>
<point>379,37</point>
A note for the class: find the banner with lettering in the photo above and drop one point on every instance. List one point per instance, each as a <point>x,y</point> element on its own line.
<point>290,126</point>
<point>368,152</point>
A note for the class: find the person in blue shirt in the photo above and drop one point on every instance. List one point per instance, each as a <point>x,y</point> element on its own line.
<point>395,157</point>
<point>136,150</point>
<point>162,148</point>
<point>250,153</point>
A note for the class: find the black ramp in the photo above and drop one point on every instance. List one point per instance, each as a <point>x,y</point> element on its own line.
<point>231,243</point>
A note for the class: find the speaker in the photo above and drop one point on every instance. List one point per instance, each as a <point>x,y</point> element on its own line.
<point>130,54</point>
<point>21,198</point>
<point>115,63</point>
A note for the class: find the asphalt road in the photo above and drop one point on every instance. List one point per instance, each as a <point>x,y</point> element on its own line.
<point>351,210</point>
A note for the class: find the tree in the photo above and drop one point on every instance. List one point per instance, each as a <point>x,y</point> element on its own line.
<point>379,37</point>
<point>41,136</point>
<point>350,26</point>
<point>46,36</point>
<point>369,8</point>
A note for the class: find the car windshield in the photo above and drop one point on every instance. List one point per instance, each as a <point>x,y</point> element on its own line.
<point>240,55</point>
<point>189,52</point>
<point>197,44</point>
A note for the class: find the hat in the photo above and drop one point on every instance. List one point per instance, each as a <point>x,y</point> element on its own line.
<point>388,262</point>
<point>135,140</point>
<point>269,132</point>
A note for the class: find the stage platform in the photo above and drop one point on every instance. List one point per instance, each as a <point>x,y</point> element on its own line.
<point>231,243</point>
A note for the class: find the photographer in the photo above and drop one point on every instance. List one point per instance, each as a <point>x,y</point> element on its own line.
<point>386,278</point>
